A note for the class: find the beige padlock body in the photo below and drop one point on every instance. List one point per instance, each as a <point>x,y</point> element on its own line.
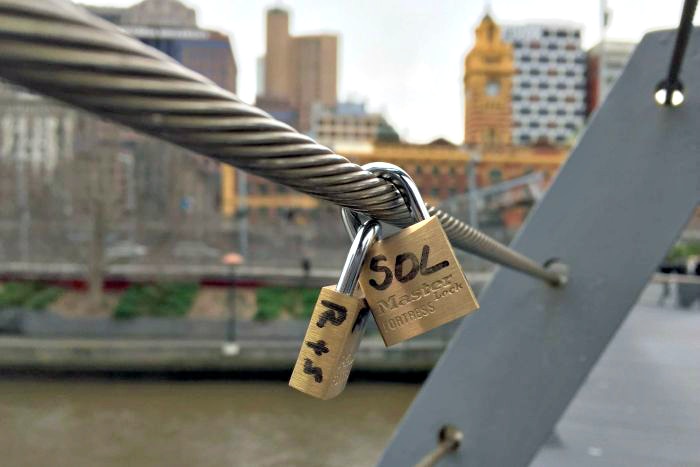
<point>330,344</point>
<point>413,282</point>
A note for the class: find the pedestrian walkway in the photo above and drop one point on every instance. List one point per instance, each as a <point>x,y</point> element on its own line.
<point>640,406</point>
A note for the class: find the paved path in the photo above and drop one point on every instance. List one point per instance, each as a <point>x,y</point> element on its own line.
<point>641,404</point>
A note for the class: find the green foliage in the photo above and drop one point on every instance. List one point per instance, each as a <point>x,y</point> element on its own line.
<point>308,300</point>
<point>42,299</point>
<point>159,300</point>
<point>31,295</point>
<point>297,302</point>
<point>680,251</point>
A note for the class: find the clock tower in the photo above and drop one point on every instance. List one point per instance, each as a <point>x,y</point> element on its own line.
<point>488,74</point>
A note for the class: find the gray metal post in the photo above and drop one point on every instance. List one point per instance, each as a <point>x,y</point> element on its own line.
<point>616,206</point>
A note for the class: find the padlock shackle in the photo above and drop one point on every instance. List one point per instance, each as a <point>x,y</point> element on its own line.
<point>403,182</point>
<point>366,235</point>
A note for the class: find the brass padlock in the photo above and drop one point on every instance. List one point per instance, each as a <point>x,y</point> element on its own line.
<point>336,327</point>
<point>412,280</point>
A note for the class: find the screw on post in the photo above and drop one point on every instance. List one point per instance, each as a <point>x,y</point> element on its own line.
<point>449,440</point>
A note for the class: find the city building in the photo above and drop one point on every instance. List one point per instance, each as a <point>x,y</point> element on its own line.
<point>441,171</point>
<point>298,72</point>
<point>606,60</point>
<point>35,130</point>
<point>496,146</point>
<point>171,27</point>
<point>549,83</point>
<point>488,76</point>
<point>349,125</point>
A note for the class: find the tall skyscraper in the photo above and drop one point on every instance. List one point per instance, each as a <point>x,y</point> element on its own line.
<point>606,60</point>
<point>549,86</point>
<point>299,72</point>
<point>278,56</point>
<point>488,74</point>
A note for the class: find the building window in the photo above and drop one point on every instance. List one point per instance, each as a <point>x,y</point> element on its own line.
<point>543,112</point>
<point>453,172</point>
<point>526,85</point>
<point>419,170</point>
<point>495,175</point>
<point>543,85</point>
<point>534,124</point>
<point>551,98</point>
<point>491,136</point>
<point>552,46</point>
<point>525,111</point>
<point>535,72</point>
<point>535,45</point>
<point>561,112</point>
<point>517,97</point>
<point>543,59</point>
<point>561,33</point>
<point>517,45</point>
<point>561,59</point>
<point>546,33</point>
<point>436,170</point>
<point>526,59</point>
<point>561,85</point>
<point>570,126</point>
<point>570,73</point>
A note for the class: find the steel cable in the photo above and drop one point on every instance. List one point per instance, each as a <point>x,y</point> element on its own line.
<point>58,49</point>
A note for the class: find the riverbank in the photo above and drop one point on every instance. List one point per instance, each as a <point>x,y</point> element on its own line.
<point>638,407</point>
<point>200,356</point>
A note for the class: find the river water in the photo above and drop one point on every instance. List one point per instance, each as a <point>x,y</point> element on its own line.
<point>75,422</point>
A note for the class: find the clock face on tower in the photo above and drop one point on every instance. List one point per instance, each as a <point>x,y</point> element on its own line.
<point>493,88</point>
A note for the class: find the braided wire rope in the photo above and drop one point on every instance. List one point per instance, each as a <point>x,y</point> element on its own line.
<point>59,49</point>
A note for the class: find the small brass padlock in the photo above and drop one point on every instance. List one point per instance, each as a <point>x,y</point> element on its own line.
<point>336,327</point>
<point>412,279</point>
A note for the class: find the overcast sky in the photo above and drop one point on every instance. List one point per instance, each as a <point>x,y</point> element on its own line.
<point>405,57</point>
